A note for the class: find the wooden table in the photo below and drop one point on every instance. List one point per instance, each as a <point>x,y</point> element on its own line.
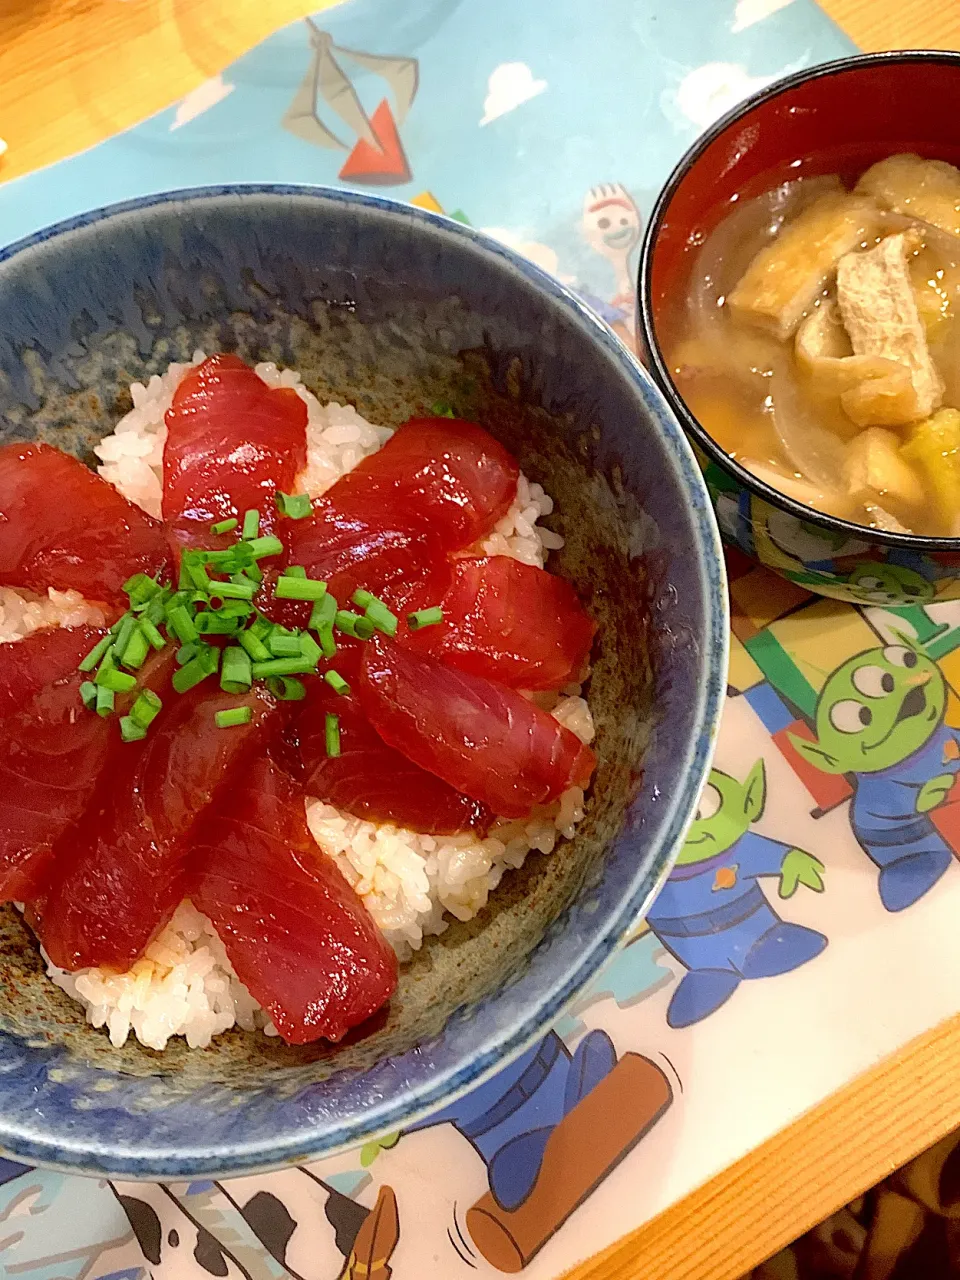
<point>72,72</point>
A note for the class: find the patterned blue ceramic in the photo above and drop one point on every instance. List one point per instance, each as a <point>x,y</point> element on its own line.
<point>392,309</point>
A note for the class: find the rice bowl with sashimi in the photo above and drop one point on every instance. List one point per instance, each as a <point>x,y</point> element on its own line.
<point>299,622</point>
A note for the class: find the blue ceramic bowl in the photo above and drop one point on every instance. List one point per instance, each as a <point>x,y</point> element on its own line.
<point>392,309</point>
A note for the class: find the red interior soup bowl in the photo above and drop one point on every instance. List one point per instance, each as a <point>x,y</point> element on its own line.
<point>821,525</point>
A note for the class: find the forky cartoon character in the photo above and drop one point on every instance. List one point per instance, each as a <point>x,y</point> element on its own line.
<point>612,225</point>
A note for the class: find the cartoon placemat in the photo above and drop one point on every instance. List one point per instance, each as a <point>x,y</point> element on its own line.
<point>820,874</point>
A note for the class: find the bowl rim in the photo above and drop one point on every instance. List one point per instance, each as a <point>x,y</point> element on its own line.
<point>666,831</point>
<point>645,320</point>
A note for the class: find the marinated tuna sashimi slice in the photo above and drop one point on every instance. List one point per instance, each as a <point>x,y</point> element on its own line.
<point>46,655</point>
<point>444,474</point>
<point>405,566</point>
<point>295,932</point>
<point>63,526</point>
<point>510,622</point>
<point>369,779</point>
<point>121,873</point>
<point>232,442</point>
<point>52,752</point>
<point>482,738</point>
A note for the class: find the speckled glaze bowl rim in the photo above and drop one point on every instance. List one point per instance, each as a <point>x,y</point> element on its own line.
<point>647,329</point>
<point>473,1062</point>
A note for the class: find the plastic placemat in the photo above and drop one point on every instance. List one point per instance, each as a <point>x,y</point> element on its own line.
<point>552,124</point>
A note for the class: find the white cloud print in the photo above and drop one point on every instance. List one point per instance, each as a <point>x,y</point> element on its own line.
<point>510,85</point>
<point>202,98</point>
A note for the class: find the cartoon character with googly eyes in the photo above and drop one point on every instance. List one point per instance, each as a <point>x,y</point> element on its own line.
<point>713,916</point>
<point>880,717</point>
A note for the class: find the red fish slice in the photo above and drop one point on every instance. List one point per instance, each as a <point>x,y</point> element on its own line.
<point>369,779</point>
<point>63,526</point>
<point>510,622</point>
<point>296,934</point>
<point>30,664</point>
<point>121,874</point>
<point>483,739</point>
<point>232,442</point>
<point>442,474</point>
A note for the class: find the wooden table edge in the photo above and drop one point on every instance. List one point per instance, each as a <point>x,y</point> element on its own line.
<point>745,1214</point>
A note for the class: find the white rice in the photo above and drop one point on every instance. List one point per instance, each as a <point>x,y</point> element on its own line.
<point>184,985</point>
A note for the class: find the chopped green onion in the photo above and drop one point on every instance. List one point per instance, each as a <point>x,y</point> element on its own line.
<point>257,650</point>
<point>96,653</point>
<point>126,629</point>
<point>195,671</point>
<point>198,575</point>
<point>287,688</point>
<point>233,716</point>
<point>187,651</point>
<point>382,618</point>
<point>152,634</point>
<point>310,651</point>
<point>295,571</point>
<point>213,622</point>
<point>332,726</point>
<point>146,708</point>
<point>362,598</point>
<point>88,692</point>
<point>442,410</point>
<point>224,526</point>
<point>324,612</point>
<point>108,677</point>
<point>293,505</point>
<point>253,572</point>
<point>105,701</point>
<point>282,645</point>
<point>184,581</point>
<point>235,609</point>
<point>268,546</point>
<point>262,626</point>
<point>336,682</point>
<point>183,625</point>
<point>251,524</point>
<point>233,590</point>
<point>156,610</point>
<point>424,618</point>
<point>282,667</point>
<point>130,731</point>
<point>328,645</point>
<point>135,653</point>
<point>288,588</point>
<point>140,588</point>
<point>235,671</point>
<point>354,625</point>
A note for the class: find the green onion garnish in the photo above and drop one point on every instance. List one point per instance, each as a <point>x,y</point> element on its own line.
<point>182,624</point>
<point>188,651</point>
<point>262,626</point>
<point>282,645</point>
<point>214,622</point>
<point>268,546</point>
<point>442,410</point>
<point>197,574</point>
<point>293,505</point>
<point>257,650</point>
<point>324,612</point>
<point>137,648</point>
<point>295,571</point>
<point>300,588</point>
<point>146,708</point>
<point>287,688</point>
<point>234,715</point>
<point>310,651</point>
<point>88,692</point>
<point>108,677</point>
<point>152,634</point>
<point>251,524</point>
<point>336,682</point>
<point>224,526</point>
<point>362,598</point>
<point>328,645</point>
<point>130,731</point>
<point>197,669</point>
<point>96,653</point>
<point>382,618</point>
<point>332,726</point>
<point>125,630</point>
<point>253,572</point>
<point>236,675</point>
<point>140,588</point>
<point>233,590</point>
<point>424,618</point>
<point>105,701</point>
<point>235,609</point>
<point>354,625</point>
<point>282,667</point>
<point>155,611</point>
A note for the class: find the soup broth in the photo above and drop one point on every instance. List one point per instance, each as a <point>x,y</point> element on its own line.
<point>818,342</point>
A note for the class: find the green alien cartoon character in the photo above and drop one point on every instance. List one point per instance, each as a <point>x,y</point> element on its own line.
<point>889,584</point>
<point>880,718</point>
<point>713,916</point>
